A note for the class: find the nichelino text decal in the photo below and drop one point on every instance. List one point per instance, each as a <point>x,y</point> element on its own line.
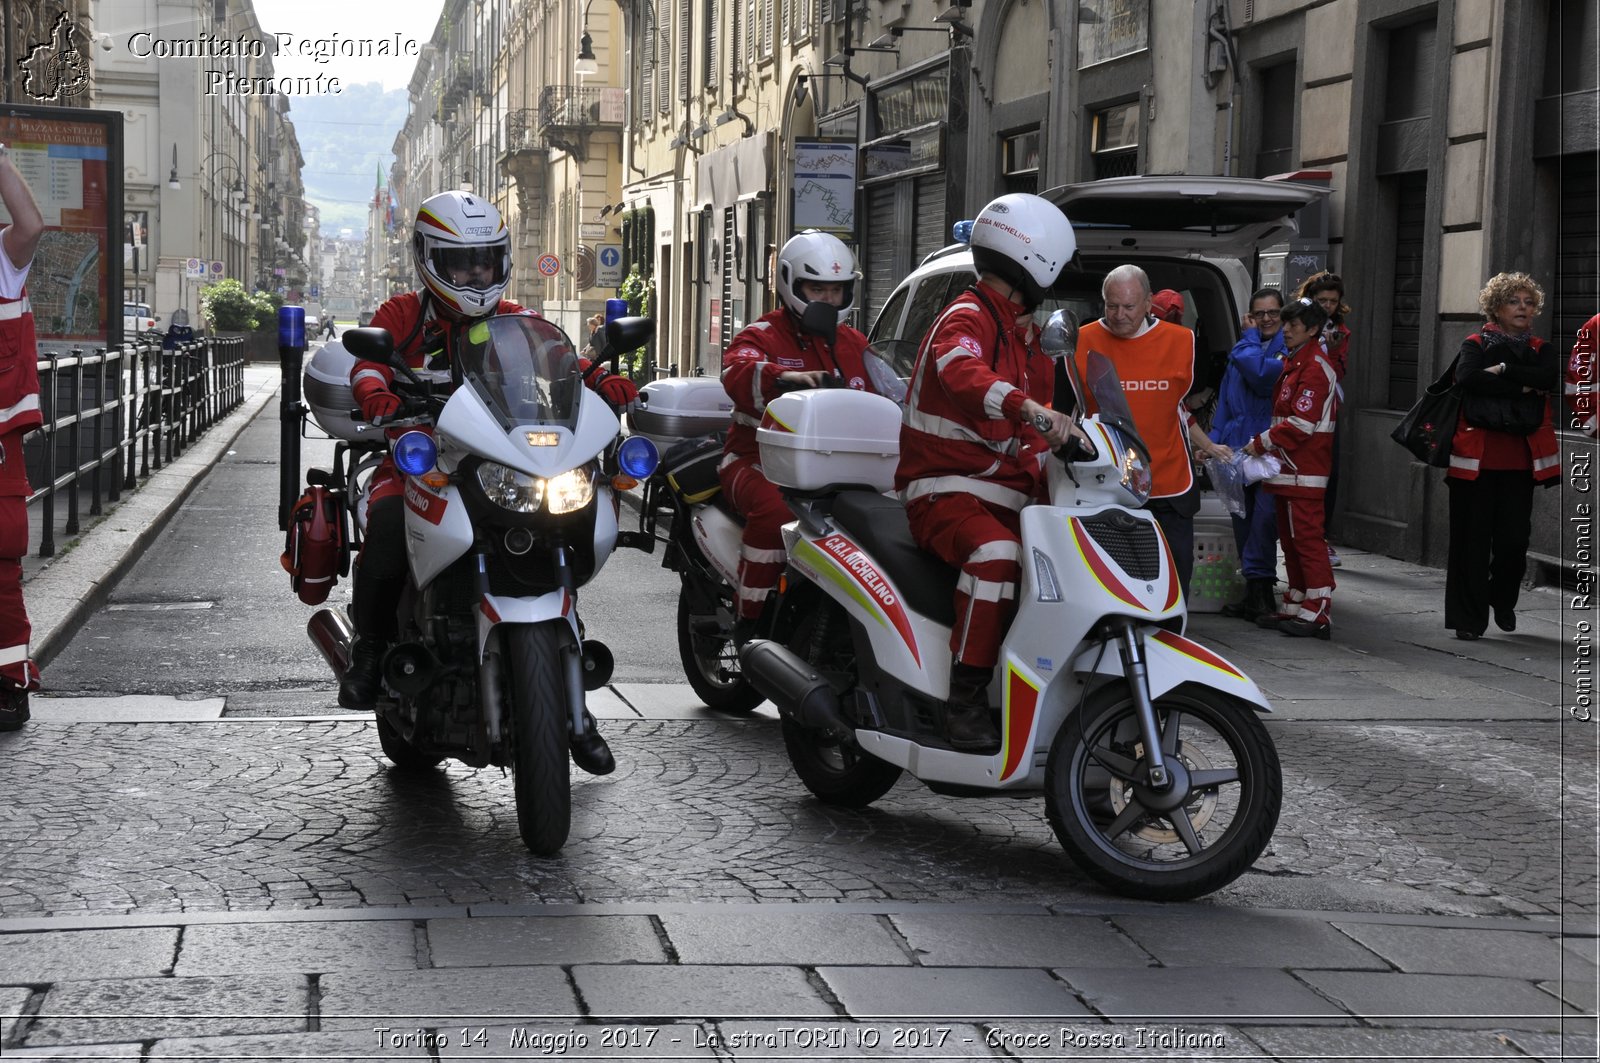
<point>867,585</point>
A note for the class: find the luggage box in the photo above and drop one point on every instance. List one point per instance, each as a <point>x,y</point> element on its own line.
<point>1216,580</point>
<point>680,408</point>
<point>828,439</point>
<point>326,389</point>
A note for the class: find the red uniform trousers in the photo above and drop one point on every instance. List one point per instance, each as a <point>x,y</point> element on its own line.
<point>1301,529</point>
<point>16,668</point>
<point>985,542</point>
<point>761,557</point>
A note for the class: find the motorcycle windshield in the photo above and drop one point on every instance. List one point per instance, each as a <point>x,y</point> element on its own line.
<point>1108,399</point>
<point>524,368</point>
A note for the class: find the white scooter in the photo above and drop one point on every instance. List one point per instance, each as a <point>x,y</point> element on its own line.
<point>1159,779</point>
<point>509,509</point>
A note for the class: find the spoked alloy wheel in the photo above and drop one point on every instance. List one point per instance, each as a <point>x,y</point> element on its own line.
<point>835,769</point>
<point>1196,836</point>
<point>537,714</point>
<point>708,655</point>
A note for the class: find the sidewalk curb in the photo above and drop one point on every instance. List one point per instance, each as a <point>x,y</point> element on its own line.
<point>61,596</point>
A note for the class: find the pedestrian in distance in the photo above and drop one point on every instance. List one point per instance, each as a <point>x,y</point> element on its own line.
<point>1244,411</point>
<point>976,435</point>
<point>1155,362</point>
<point>328,330</point>
<point>19,414</point>
<point>1504,445</point>
<point>1304,410</point>
<point>1327,291</point>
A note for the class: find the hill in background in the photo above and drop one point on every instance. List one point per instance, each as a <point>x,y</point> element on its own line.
<point>347,140</point>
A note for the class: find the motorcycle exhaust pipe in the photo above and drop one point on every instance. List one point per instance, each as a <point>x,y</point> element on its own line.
<point>799,691</point>
<point>332,634</point>
<point>598,664</point>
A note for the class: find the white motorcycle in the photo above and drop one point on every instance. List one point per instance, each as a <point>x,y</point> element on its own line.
<point>509,510</point>
<point>1159,779</point>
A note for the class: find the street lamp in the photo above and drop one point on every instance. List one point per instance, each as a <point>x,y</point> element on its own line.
<point>585,66</point>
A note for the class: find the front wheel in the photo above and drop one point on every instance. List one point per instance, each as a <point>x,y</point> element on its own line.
<point>705,647</point>
<point>1196,836</point>
<point>537,704</point>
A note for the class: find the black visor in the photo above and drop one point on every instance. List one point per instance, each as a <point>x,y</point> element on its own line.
<point>450,262</point>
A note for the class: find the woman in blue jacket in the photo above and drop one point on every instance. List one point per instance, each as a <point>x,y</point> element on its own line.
<point>1244,411</point>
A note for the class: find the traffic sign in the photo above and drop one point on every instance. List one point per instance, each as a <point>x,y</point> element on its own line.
<point>609,272</point>
<point>216,268</point>
<point>549,265</point>
<point>195,268</point>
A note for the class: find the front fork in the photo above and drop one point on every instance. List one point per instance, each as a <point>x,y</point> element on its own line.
<point>1138,674</point>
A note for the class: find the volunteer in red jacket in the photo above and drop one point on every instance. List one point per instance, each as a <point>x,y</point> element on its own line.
<point>1305,408</point>
<point>1155,362</point>
<point>776,353</point>
<point>1580,386</point>
<point>975,437</point>
<point>19,414</point>
<point>462,251</point>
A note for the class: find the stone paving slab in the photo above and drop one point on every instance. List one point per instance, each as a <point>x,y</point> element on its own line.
<point>1580,993</point>
<point>523,941</point>
<point>1055,1041</point>
<point>338,1047</point>
<point>618,992</point>
<point>787,1042</point>
<point>127,708</point>
<point>296,947</point>
<point>134,952</point>
<point>678,701</point>
<point>1437,950</point>
<point>971,940</point>
<point>129,1053</point>
<point>1207,938</point>
<point>1326,1044</point>
<point>1571,1043</point>
<point>12,1001</point>
<point>1234,995</point>
<point>1441,1000</point>
<point>802,938</point>
<point>949,994</point>
<point>443,998</point>
<point>113,1010</point>
<point>555,1041</point>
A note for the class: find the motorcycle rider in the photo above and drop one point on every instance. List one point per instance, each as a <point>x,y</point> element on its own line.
<point>976,435</point>
<point>462,252</point>
<point>776,349</point>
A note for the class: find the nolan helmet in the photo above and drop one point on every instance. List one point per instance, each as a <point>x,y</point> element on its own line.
<point>1024,240</point>
<point>462,252</point>
<point>821,258</point>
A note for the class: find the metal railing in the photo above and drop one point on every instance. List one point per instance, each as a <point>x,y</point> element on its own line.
<point>113,417</point>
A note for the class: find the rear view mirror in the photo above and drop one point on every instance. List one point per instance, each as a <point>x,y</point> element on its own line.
<point>370,344</point>
<point>628,333</point>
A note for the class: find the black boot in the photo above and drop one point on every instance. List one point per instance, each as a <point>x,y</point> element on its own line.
<point>1257,599</point>
<point>359,688</point>
<point>589,750</point>
<point>968,726</point>
<point>13,708</point>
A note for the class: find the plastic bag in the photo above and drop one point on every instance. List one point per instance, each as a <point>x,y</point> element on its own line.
<point>1227,477</point>
<point>1257,468</point>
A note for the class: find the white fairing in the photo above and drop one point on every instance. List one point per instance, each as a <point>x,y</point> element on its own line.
<point>438,529</point>
<point>466,424</point>
<point>719,538</point>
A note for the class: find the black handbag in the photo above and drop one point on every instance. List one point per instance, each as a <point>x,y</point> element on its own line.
<point>1429,426</point>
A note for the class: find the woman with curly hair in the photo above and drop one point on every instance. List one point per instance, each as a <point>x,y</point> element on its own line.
<point>1326,289</point>
<point>1504,444</point>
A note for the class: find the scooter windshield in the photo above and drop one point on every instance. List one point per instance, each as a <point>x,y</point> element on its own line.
<point>524,368</point>
<point>1106,398</point>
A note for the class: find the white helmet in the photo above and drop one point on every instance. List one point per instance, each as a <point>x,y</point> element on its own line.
<point>454,231</point>
<point>820,257</point>
<point>1026,241</point>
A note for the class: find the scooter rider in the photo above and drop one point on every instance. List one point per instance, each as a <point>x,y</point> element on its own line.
<point>778,351</point>
<point>462,252</point>
<point>976,435</point>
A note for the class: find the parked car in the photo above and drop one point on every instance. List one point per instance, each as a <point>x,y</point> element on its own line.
<point>1196,235</point>
<point>136,320</point>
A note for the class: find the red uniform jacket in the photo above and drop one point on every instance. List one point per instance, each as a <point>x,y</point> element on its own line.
<point>963,429</point>
<point>1467,445</point>
<point>19,390</point>
<point>1304,411</point>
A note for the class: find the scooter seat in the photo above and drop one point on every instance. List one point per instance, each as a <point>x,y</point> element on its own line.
<point>878,525</point>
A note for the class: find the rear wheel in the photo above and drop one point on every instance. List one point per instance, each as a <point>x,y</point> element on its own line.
<point>705,647</point>
<point>537,704</point>
<point>404,755</point>
<point>833,767</point>
<point>1198,835</point>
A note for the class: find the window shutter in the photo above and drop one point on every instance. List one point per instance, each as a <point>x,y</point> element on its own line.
<point>647,66</point>
<point>664,67</point>
<point>736,42</point>
<point>769,28</point>
<point>685,10</point>
<point>713,19</point>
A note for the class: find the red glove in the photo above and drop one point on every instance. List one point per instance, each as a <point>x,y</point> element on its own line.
<point>618,390</point>
<point>379,406</point>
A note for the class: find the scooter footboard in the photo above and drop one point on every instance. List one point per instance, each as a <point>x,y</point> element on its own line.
<point>1173,660</point>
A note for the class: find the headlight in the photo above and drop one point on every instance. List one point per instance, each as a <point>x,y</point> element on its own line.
<point>510,489</point>
<point>570,491</point>
<point>1135,474</point>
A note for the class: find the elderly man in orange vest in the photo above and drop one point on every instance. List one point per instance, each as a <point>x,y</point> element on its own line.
<point>1155,362</point>
<point>19,414</point>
